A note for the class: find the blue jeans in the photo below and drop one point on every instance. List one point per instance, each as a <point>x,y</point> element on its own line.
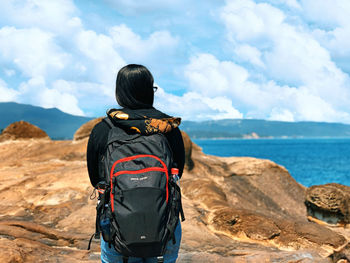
<point>110,255</point>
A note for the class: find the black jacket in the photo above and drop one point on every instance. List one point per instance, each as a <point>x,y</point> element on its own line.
<point>98,140</point>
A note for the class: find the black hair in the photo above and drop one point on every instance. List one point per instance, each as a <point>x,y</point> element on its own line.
<point>134,87</point>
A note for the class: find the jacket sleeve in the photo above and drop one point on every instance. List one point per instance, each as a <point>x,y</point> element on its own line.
<point>177,146</point>
<point>92,159</point>
<point>95,149</point>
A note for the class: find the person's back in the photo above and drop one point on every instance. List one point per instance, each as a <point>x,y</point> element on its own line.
<point>135,93</point>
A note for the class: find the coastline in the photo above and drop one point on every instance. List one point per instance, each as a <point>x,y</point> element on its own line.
<point>311,161</point>
<point>272,138</point>
<point>238,209</point>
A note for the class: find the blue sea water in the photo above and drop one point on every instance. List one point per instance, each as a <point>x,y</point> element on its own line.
<point>309,161</point>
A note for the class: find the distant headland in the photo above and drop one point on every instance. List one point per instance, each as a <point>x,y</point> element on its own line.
<point>60,125</point>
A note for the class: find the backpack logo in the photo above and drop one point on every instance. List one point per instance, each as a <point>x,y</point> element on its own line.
<point>139,178</point>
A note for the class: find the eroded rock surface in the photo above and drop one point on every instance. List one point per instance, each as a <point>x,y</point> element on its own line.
<point>237,209</point>
<point>329,203</point>
<point>188,151</point>
<point>256,201</point>
<point>85,130</point>
<point>22,130</point>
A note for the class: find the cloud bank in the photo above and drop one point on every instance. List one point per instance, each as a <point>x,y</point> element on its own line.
<point>278,60</point>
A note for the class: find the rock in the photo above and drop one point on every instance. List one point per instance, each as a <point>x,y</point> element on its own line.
<point>24,250</point>
<point>188,151</point>
<point>10,252</point>
<point>329,203</point>
<point>249,183</point>
<point>22,130</point>
<point>252,135</point>
<point>237,209</point>
<point>46,213</point>
<point>85,130</point>
<point>342,256</point>
<point>243,224</point>
<point>254,200</point>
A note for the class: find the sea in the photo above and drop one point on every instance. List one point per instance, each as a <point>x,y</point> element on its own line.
<point>312,161</point>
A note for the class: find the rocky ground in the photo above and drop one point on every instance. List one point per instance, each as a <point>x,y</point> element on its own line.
<point>237,209</point>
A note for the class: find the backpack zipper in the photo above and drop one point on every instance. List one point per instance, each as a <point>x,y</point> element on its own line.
<point>149,169</point>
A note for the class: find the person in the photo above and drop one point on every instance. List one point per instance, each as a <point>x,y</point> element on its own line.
<point>134,92</point>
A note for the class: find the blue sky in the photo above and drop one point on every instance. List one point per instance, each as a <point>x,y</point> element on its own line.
<point>279,59</point>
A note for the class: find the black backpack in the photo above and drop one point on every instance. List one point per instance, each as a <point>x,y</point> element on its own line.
<point>140,200</point>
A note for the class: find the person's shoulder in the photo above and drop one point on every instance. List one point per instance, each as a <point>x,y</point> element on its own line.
<point>152,113</point>
<point>100,128</point>
<point>175,132</point>
<point>161,114</point>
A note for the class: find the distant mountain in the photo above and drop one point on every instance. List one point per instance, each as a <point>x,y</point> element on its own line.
<point>60,125</point>
<point>57,124</point>
<point>239,128</point>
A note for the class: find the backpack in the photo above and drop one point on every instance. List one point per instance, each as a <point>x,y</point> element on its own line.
<point>140,200</point>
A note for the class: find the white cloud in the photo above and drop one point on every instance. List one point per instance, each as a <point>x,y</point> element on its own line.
<point>294,4</point>
<point>91,96</point>
<point>63,65</point>
<point>290,54</point>
<point>312,107</point>
<point>288,63</point>
<point>49,98</point>
<point>329,13</point>
<point>315,88</point>
<point>223,79</point>
<point>101,60</point>
<point>194,106</point>
<point>36,92</point>
<point>222,105</point>
<point>33,51</point>
<point>298,59</point>
<point>209,76</point>
<point>300,104</point>
<point>247,21</point>
<point>157,49</point>
<point>54,15</point>
<point>333,31</point>
<point>250,54</point>
<point>92,62</point>
<point>278,114</point>
<point>7,94</point>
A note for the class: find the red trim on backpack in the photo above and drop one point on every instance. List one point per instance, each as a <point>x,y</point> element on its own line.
<point>149,169</point>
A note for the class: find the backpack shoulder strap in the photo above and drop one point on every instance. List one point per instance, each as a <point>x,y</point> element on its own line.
<point>109,122</point>
<point>121,135</point>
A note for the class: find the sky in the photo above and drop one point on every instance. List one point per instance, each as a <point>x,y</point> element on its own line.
<point>286,60</point>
